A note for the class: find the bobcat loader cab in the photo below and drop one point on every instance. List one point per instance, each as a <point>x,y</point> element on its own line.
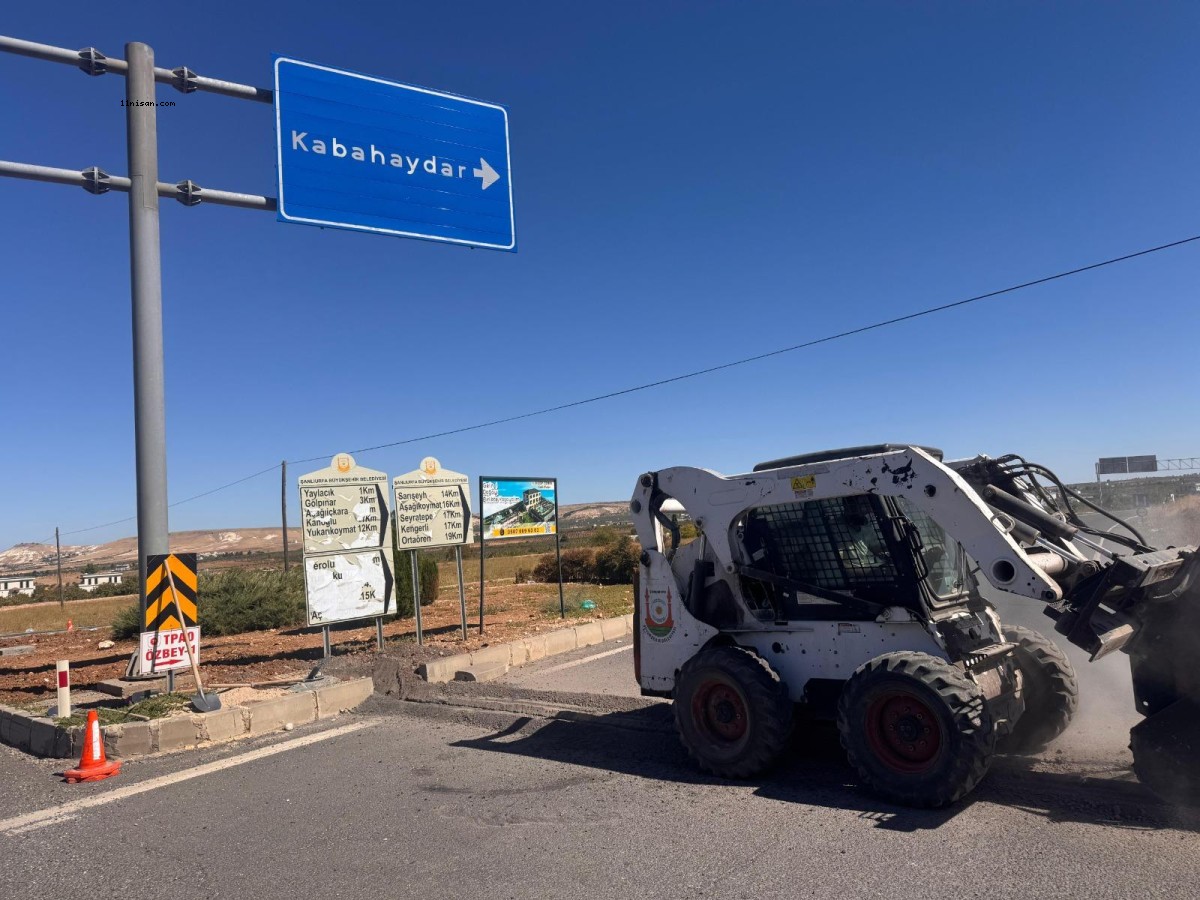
<point>844,583</point>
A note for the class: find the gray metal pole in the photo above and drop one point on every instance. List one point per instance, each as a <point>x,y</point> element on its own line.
<point>145,266</point>
<point>562,606</point>
<point>416,595</point>
<point>482,554</point>
<point>326,644</point>
<point>462,591</point>
<point>283,502</point>
<point>58,553</point>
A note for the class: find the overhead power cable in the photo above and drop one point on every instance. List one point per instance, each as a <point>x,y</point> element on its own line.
<point>770,353</point>
<point>804,345</point>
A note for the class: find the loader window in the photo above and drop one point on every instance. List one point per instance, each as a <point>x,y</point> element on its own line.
<point>834,545</point>
<point>944,558</point>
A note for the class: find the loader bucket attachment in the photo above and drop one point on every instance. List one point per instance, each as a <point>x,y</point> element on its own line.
<point>1164,660</point>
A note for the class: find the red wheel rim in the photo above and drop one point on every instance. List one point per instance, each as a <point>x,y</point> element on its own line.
<point>903,732</point>
<point>719,712</point>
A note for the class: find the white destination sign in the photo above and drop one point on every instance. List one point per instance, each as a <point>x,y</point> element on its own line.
<point>341,586</point>
<point>162,651</point>
<point>343,507</point>
<point>431,507</point>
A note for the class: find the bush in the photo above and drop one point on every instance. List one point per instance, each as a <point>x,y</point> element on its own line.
<point>236,600</point>
<point>615,563</point>
<point>127,623</point>
<point>428,572</point>
<point>578,565</point>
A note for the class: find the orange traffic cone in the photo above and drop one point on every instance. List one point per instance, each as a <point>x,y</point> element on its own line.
<point>93,765</point>
<point>70,625</point>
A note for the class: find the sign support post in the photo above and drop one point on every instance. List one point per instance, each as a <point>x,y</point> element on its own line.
<point>462,591</point>
<point>379,633</point>
<point>482,555</point>
<point>416,595</point>
<point>326,647</point>
<point>562,606</point>
<point>145,267</point>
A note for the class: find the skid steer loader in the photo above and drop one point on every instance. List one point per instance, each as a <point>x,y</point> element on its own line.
<point>845,585</point>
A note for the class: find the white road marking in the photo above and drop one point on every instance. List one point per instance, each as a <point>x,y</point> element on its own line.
<point>43,817</point>
<point>579,662</point>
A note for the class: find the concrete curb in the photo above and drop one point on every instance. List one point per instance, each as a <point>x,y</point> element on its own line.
<point>41,737</point>
<point>524,650</point>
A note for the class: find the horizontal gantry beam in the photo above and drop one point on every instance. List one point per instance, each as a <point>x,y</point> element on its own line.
<point>97,181</point>
<point>93,62</point>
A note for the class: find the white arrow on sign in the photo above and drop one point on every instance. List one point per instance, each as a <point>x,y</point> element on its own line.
<point>486,174</point>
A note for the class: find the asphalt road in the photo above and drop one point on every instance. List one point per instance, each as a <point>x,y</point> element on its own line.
<point>431,801</point>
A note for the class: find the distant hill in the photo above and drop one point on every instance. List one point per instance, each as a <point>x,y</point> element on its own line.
<point>26,558</point>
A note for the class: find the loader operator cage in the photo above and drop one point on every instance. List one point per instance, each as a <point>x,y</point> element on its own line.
<point>848,556</point>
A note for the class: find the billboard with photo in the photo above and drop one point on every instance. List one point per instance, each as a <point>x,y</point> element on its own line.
<point>518,507</point>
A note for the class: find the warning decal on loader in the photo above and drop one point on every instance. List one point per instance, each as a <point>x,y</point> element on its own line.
<point>803,485</point>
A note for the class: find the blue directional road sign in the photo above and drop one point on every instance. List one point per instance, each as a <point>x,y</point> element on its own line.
<point>369,154</point>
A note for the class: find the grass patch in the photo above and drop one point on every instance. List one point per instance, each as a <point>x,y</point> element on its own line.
<point>151,708</point>
<point>49,617</point>
<point>611,600</point>
<point>159,705</point>
<point>503,568</point>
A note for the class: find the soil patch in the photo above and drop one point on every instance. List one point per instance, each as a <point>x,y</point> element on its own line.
<point>512,611</point>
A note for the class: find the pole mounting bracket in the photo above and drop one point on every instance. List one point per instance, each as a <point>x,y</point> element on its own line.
<point>95,180</point>
<point>185,80</point>
<point>92,61</point>
<point>188,193</point>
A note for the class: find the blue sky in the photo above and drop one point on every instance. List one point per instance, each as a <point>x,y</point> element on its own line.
<point>694,183</point>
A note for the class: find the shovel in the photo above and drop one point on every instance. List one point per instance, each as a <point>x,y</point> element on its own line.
<point>201,701</point>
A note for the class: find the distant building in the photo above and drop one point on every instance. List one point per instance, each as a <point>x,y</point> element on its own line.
<point>90,582</point>
<point>16,584</point>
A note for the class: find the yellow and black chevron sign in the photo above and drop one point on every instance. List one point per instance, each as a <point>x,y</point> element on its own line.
<point>160,604</point>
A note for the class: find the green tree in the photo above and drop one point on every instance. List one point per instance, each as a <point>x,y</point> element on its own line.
<point>428,572</point>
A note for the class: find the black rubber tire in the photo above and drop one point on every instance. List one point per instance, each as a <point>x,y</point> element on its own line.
<point>1165,748</point>
<point>741,686</point>
<point>916,729</point>
<point>1051,691</point>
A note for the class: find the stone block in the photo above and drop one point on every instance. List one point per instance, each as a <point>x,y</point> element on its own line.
<point>501,653</point>
<point>222,725</point>
<point>175,733</point>
<point>535,648</point>
<point>613,628</point>
<point>588,635</point>
<point>440,670</point>
<point>14,730</point>
<point>518,653</point>
<point>488,671</point>
<point>127,740</point>
<point>340,697</point>
<point>119,687</point>
<point>272,715</point>
<point>18,650</point>
<point>47,739</point>
<point>563,641</point>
